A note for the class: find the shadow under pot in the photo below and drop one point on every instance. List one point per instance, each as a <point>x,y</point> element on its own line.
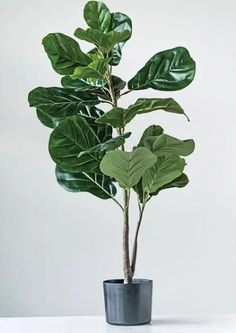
<point>128,304</point>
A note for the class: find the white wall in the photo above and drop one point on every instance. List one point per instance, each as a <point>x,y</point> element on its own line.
<point>57,247</point>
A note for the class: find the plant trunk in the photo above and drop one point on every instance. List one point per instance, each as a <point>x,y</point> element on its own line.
<point>126,258</point>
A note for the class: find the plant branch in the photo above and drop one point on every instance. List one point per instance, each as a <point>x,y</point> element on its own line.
<point>135,246</point>
<point>125,93</point>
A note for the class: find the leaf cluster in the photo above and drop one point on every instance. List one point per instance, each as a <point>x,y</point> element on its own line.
<point>86,143</point>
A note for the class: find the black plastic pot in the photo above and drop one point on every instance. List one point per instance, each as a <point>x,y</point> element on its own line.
<point>128,304</point>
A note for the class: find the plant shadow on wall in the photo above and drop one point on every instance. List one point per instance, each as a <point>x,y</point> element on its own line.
<point>87,144</point>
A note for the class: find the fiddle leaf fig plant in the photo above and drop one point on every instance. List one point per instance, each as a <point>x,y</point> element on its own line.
<point>87,144</point>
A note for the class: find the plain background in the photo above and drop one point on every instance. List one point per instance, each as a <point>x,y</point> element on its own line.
<point>56,247</point>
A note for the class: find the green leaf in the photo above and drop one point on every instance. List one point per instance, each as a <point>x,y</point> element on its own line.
<point>145,105</point>
<point>168,70</point>
<point>119,117</point>
<point>96,70</point>
<point>164,145</point>
<point>153,130</point>
<point>119,23</point>
<point>96,184</point>
<point>60,102</point>
<point>96,153</point>
<point>64,53</point>
<point>68,140</point>
<point>166,169</point>
<point>178,182</point>
<point>127,167</point>
<point>97,15</point>
<point>114,117</point>
<point>105,42</point>
<point>83,84</point>
<point>99,86</point>
<point>47,120</point>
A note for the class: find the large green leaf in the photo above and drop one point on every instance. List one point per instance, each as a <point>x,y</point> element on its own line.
<point>96,153</point>
<point>119,23</point>
<point>166,169</point>
<point>60,102</point>
<point>99,87</point>
<point>96,184</point>
<point>64,53</point>
<point>119,117</point>
<point>83,84</point>
<point>96,70</point>
<point>168,70</point>
<point>78,147</point>
<point>105,42</point>
<point>47,120</point>
<point>68,140</point>
<point>178,182</point>
<point>164,145</point>
<point>127,167</point>
<point>153,130</point>
<point>97,15</point>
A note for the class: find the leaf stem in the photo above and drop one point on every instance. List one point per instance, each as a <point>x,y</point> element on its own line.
<point>125,93</point>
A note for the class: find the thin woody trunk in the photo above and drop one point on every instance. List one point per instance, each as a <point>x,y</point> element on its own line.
<point>126,258</point>
<point>135,246</point>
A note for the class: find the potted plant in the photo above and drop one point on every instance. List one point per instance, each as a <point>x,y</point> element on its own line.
<point>88,144</point>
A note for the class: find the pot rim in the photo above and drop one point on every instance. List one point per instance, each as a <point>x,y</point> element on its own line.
<point>121,281</point>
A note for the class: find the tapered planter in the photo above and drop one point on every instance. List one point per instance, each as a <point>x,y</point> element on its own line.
<point>128,304</point>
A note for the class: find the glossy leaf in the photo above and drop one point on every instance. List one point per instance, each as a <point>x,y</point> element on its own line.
<point>97,15</point>
<point>60,102</point>
<point>178,182</point>
<point>64,53</point>
<point>153,130</point>
<point>119,117</point>
<point>119,23</point>
<point>168,70</point>
<point>68,140</point>
<point>127,167</point>
<point>96,70</point>
<point>83,84</point>
<point>166,169</point>
<point>99,185</point>
<point>105,42</point>
<point>99,87</point>
<point>114,117</point>
<point>145,105</point>
<point>47,120</point>
<point>164,145</point>
<point>95,154</point>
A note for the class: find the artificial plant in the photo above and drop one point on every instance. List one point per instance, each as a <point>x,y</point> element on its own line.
<point>88,144</point>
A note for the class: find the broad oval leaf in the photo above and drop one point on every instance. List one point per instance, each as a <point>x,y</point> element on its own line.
<point>99,185</point>
<point>153,130</point>
<point>119,23</point>
<point>127,167</point>
<point>96,70</point>
<point>60,102</point>
<point>168,70</point>
<point>105,42</point>
<point>97,15</point>
<point>114,117</point>
<point>64,53</point>
<point>83,84</point>
<point>168,145</point>
<point>47,120</point>
<point>178,182</point>
<point>166,169</point>
<point>119,117</point>
<point>68,140</point>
